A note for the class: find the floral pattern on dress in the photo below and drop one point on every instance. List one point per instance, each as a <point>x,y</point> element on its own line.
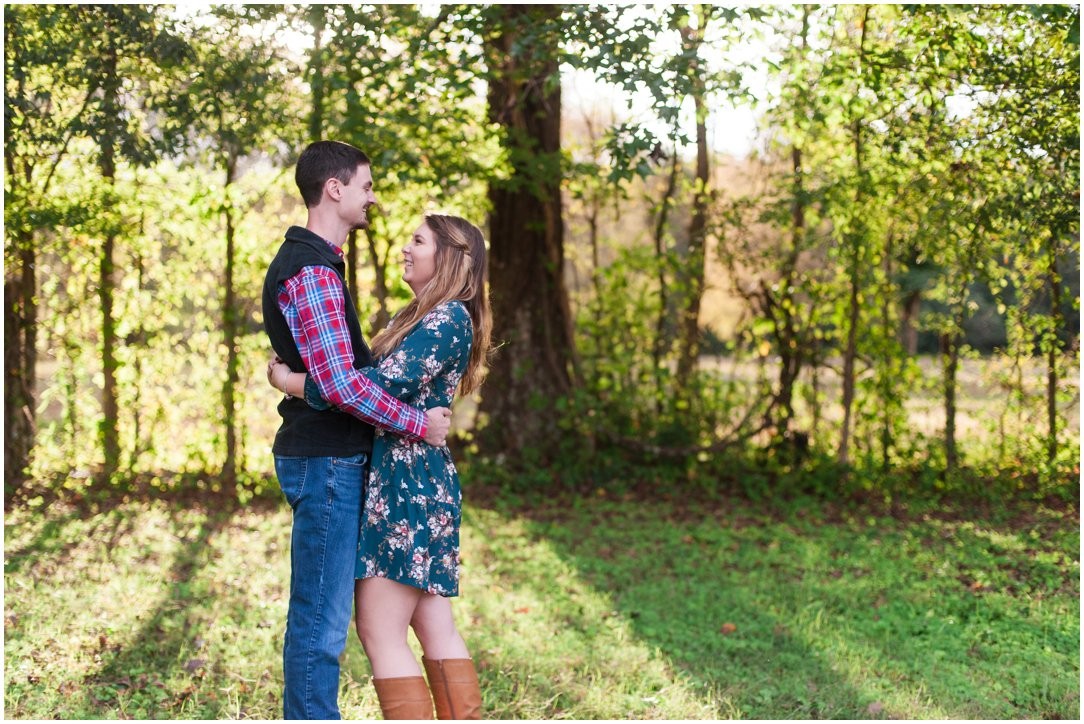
<point>412,511</point>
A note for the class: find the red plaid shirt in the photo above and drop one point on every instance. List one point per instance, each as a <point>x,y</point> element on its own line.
<point>313,304</point>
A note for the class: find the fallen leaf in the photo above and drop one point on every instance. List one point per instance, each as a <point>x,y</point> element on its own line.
<point>875,708</point>
<point>524,609</point>
<point>728,628</point>
<point>193,665</point>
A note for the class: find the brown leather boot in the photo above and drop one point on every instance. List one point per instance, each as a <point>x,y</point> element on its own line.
<point>455,688</point>
<point>404,697</point>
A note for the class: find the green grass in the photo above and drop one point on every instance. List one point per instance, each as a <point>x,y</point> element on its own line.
<point>575,609</point>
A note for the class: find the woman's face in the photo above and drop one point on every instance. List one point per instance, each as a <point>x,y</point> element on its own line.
<point>420,258</point>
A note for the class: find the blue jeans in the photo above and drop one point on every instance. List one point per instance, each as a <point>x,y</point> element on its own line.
<point>325,495</point>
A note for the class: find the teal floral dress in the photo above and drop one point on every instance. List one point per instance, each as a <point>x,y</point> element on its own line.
<point>412,510</point>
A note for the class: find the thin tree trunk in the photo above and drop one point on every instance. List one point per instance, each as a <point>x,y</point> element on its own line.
<point>853,307</point>
<point>789,348</point>
<point>1054,349</point>
<point>689,346</point>
<point>887,403</point>
<point>137,338</point>
<point>950,350</point>
<point>912,305</point>
<point>229,336</point>
<point>662,341</point>
<point>790,352</point>
<point>380,284</point>
<point>318,20</point>
<point>350,251</point>
<point>108,432</point>
<point>849,357</point>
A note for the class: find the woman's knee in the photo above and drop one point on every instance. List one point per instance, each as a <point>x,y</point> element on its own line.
<point>433,622</point>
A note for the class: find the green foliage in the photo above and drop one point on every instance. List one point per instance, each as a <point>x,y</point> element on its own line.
<point>918,154</point>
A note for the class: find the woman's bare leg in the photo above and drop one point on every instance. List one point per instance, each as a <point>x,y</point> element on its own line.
<point>435,628</point>
<point>384,612</point>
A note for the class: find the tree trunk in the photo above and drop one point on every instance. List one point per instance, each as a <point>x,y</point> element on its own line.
<point>791,357</point>
<point>1053,279</point>
<point>380,284</point>
<point>20,302</point>
<point>912,305</point>
<point>20,360</point>
<point>888,406</point>
<point>950,350</point>
<point>108,431</point>
<point>790,352</point>
<point>662,338</point>
<point>350,252</point>
<point>532,322</point>
<point>689,340</point>
<point>318,20</point>
<point>853,304</point>
<point>229,336</point>
<point>850,355</point>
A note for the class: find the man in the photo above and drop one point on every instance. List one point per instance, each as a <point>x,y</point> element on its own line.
<point>321,456</point>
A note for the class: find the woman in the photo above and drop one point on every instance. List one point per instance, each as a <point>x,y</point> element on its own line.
<point>408,554</point>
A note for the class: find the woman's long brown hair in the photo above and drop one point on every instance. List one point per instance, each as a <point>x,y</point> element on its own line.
<point>460,273</point>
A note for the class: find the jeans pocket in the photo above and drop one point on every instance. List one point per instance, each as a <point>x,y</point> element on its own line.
<point>354,461</point>
<point>291,472</point>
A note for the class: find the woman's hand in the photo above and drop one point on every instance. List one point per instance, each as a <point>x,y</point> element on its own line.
<point>275,377</point>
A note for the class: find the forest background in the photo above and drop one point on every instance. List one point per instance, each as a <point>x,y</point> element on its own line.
<point>871,300</point>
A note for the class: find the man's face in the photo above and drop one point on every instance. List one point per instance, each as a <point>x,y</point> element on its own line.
<point>357,197</point>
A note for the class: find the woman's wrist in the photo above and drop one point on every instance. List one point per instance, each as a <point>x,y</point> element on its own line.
<point>282,380</point>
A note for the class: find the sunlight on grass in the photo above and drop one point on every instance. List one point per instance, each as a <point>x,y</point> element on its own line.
<point>578,610</point>
<point>562,649</point>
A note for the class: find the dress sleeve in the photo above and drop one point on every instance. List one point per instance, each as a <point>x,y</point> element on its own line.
<point>439,345</point>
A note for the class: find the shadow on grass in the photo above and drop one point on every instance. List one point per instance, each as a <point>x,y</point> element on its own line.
<point>781,618</point>
<point>131,675</point>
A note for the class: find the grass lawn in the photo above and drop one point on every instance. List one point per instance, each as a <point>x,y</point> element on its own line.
<point>574,609</point>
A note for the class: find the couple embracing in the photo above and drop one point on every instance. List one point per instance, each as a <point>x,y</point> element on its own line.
<point>360,453</point>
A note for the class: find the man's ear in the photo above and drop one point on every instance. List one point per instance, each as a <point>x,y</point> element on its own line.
<point>333,188</point>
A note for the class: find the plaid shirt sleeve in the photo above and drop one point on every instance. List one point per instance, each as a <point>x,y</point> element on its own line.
<point>313,304</point>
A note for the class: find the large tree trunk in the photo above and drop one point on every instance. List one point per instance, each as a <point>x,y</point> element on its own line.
<point>531,315</point>
<point>20,305</point>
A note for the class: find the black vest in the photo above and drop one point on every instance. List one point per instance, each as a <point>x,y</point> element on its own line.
<point>306,432</point>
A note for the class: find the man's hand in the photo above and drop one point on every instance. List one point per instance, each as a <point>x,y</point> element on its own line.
<point>438,420</point>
